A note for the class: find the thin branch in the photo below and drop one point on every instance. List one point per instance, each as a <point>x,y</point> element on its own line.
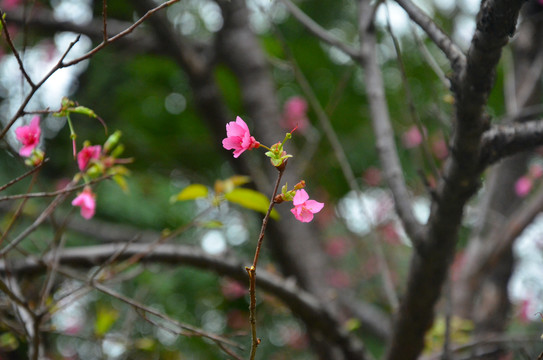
<point>320,32</point>
<point>431,60</point>
<point>386,146</point>
<point>53,193</point>
<point>21,177</point>
<point>301,303</point>
<point>14,50</point>
<point>251,271</point>
<point>102,288</point>
<point>438,36</point>
<point>35,88</point>
<point>120,35</point>
<point>104,19</point>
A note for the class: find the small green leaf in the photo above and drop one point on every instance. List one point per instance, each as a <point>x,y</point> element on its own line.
<point>121,181</point>
<point>213,224</point>
<point>191,192</point>
<point>251,199</point>
<point>105,318</point>
<point>83,110</point>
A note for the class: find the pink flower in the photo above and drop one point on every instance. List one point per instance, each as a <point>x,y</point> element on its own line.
<point>86,154</point>
<point>11,4</point>
<point>523,186</point>
<point>295,114</point>
<point>303,207</point>
<point>536,171</point>
<point>238,137</point>
<point>29,136</point>
<point>412,137</point>
<point>86,200</point>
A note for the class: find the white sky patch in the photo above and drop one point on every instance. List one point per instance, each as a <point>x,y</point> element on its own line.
<point>399,20</point>
<point>464,28</point>
<point>211,15</point>
<point>76,11</point>
<point>526,283</point>
<point>213,242</point>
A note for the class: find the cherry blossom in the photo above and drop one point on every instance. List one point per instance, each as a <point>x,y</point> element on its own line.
<point>295,114</point>
<point>238,137</point>
<point>523,186</point>
<point>303,207</point>
<point>86,200</point>
<point>29,136</point>
<point>412,137</point>
<point>86,154</point>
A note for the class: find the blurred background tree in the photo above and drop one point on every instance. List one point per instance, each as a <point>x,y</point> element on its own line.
<point>332,288</point>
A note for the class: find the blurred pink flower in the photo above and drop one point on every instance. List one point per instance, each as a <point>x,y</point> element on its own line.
<point>86,200</point>
<point>86,154</point>
<point>295,114</point>
<point>372,176</point>
<point>238,137</point>
<point>523,186</point>
<point>233,290</point>
<point>29,136</point>
<point>412,137</point>
<point>338,279</point>
<point>536,171</point>
<point>303,207</point>
<point>10,4</point>
<point>440,149</point>
<point>337,247</point>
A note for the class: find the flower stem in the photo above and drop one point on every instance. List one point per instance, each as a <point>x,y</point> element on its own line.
<point>251,271</point>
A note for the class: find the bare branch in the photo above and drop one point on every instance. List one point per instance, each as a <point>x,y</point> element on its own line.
<point>472,84</point>
<point>438,36</point>
<point>320,32</point>
<point>505,140</point>
<point>386,146</point>
<point>301,303</point>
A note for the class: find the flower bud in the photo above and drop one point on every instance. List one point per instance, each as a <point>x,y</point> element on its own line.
<point>112,141</point>
<point>299,185</point>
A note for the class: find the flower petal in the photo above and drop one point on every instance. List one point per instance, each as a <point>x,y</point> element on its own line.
<point>313,206</point>
<point>300,197</point>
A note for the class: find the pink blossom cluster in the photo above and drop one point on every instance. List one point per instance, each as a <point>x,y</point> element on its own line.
<point>239,139</point>
<point>29,136</point>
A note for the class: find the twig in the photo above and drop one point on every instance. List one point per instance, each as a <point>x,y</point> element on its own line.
<point>53,193</point>
<point>410,101</point>
<point>21,177</point>
<point>35,88</point>
<point>251,271</point>
<point>318,31</point>
<point>120,35</point>
<point>438,36</point>
<point>104,19</point>
<point>384,133</point>
<point>17,212</point>
<point>14,50</point>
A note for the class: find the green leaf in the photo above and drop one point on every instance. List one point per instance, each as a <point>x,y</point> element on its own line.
<point>191,192</point>
<point>213,224</point>
<point>105,318</point>
<point>251,199</point>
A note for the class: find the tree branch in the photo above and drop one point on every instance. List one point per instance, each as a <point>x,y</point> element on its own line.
<point>319,31</point>
<point>380,117</point>
<point>301,303</point>
<point>444,43</point>
<point>471,85</point>
<point>505,140</point>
